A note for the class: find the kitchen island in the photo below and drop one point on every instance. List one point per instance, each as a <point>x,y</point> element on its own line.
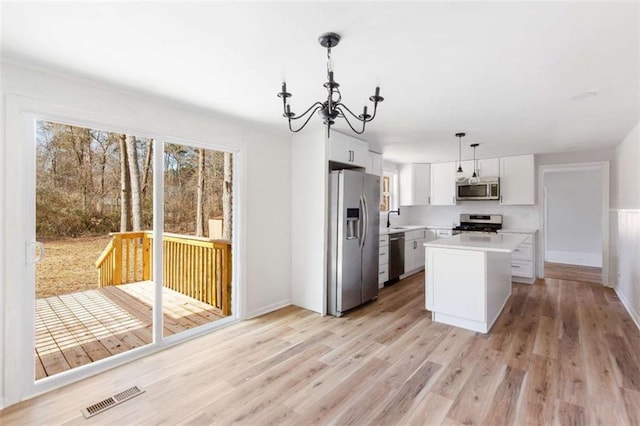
<point>468,279</point>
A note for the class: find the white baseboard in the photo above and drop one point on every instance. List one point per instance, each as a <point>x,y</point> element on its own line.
<point>572,258</point>
<point>634,315</point>
<point>269,308</point>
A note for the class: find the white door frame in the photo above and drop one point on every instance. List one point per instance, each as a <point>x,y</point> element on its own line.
<point>604,168</point>
<point>18,340</point>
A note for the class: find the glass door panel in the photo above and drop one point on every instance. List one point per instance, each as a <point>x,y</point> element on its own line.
<point>197,237</point>
<point>94,215</point>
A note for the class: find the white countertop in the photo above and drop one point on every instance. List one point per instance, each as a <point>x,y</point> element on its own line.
<point>484,242</point>
<point>406,228</point>
<point>517,231</point>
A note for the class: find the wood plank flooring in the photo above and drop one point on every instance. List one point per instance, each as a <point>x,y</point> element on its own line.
<point>562,352</point>
<point>79,328</point>
<point>561,271</point>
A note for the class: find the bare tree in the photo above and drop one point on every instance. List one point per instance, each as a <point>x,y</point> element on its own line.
<point>200,194</point>
<point>134,174</point>
<point>125,186</point>
<point>146,168</point>
<point>227,196</point>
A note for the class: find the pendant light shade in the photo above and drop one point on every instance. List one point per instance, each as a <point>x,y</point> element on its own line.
<point>460,173</point>
<point>474,178</point>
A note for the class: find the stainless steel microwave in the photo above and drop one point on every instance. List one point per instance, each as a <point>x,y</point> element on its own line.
<point>486,189</point>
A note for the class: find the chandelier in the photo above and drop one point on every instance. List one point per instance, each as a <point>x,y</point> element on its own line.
<point>333,107</point>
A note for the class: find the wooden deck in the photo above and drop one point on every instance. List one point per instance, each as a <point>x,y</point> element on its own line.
<point>78,328</point>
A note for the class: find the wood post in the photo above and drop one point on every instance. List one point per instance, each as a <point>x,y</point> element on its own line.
<point>117,271</point>
<point>146,257</point>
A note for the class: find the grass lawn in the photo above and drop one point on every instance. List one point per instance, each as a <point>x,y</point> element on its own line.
<point>69,265</point>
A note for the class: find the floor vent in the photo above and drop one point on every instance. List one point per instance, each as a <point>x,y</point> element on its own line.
<point>112,401</point>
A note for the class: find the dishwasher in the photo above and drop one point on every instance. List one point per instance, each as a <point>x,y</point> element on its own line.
<point>396,255</point>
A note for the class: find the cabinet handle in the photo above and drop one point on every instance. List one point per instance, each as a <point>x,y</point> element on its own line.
<point>501,199</point>
<point>454,199</point>
<point>382,253</point>
<point>415,245</point>
<point>429,200</point>
<point>515,266</point>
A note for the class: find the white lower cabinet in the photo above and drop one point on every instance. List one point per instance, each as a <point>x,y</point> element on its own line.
<point>383,260</point>
<point>523,259</point>
<point>414,250</point>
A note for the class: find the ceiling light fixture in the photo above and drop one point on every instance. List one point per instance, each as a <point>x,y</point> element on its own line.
<point>459,173</point>
<point>332,108</point>
<point>474,178</point>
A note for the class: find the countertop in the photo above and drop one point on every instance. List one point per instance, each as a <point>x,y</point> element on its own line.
<point>405,228</point>
<point>517,231</point>
<point>499,242</point>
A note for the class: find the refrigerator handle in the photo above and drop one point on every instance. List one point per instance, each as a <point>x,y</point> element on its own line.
<point>363,226</point>
<point>365,215</point>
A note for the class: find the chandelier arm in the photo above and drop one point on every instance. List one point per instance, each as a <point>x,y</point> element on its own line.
<point>345,107</point>
<point>375,109</point>
<point>349,123</point>
<point>317,105</point>
<point>305,123</point>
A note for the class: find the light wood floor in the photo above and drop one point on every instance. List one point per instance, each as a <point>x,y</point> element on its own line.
<point>562,352</point>
<point>561,271</point>
<point>79,328</point>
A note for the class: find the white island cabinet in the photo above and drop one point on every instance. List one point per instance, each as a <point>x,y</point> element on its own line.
<point>469,278</point>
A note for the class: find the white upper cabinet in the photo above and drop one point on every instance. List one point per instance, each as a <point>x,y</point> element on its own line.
<point>415,184</point>
<point>347,150</point>
<point>443,184</point>
<point>517,180</point>
<point>488,167</point>
<point>374,163</point>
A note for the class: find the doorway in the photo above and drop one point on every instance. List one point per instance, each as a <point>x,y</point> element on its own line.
<point>97,256</point>
<point>575,221</point>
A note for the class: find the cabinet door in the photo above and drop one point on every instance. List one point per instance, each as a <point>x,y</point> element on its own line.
<point>443,184</point>
<point>374,165</point>
<point>414,184</point>
<point>409,255</point>
<point>339,148</point>
<point>420,260</point>
<point>489,167</point>
<point>517,180</point>
<point>421,179</point>
<point>359,152</point>
<point>348,150</point>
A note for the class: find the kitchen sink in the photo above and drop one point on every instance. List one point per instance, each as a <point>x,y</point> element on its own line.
<point>397,228</point>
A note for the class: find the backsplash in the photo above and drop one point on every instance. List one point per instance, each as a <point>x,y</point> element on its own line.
<point>447,216</point>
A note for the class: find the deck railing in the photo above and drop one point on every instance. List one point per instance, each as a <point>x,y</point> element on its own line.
<point>197,267</point>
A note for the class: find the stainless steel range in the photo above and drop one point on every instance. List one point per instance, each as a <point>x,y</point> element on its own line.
<point>479,224</point>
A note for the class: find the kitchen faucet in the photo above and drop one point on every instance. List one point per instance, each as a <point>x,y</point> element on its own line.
<point>392,211</point>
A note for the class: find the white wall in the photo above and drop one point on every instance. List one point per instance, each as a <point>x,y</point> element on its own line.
<point>625,223</point>
<point>263,252</point>
<point>574,217</point>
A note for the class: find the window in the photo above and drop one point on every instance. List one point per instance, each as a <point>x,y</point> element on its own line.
<point>387,195</point>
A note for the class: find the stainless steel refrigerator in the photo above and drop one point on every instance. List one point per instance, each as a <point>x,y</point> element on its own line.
<point>354,227</point>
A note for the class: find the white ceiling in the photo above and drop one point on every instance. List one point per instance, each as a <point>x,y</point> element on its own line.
<point>504,72</point>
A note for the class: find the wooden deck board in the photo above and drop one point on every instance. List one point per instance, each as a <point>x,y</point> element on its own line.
<point>79,328</point>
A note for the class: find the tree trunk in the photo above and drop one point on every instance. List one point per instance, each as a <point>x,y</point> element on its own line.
<point>134,173</point>
<point>200,195</point>
<point>147,168</point>
<point>125,187</point>
<point>227,196</point>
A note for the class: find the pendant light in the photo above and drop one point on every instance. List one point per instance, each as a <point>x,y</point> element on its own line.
<point>459,173</point>
<point>474,178</point>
